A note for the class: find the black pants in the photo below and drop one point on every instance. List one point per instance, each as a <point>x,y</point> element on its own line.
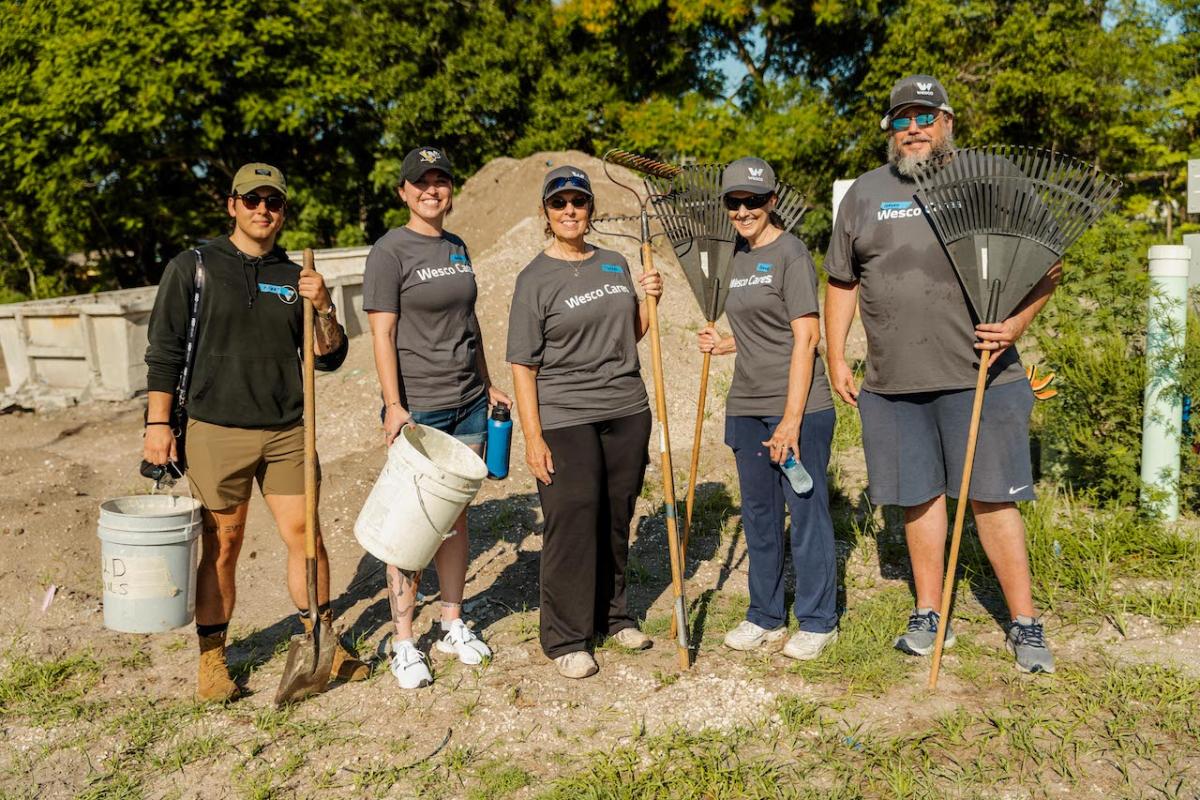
<point>598,472</point>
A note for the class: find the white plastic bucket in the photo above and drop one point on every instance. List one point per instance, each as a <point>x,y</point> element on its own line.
<point>429,478</point>
<point>149,548</point>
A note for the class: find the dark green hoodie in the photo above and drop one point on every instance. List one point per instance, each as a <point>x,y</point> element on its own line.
<point>247,371</point>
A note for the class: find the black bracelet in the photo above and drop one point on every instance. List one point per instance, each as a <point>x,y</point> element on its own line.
<point>148,424</point>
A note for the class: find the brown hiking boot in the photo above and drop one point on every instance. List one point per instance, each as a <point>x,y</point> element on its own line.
<point>345,666</point>
<point>213,683</point>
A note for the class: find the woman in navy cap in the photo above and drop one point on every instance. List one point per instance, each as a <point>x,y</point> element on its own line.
<point>779,408</point>
<point>572,342</point>
<point>419,293</point>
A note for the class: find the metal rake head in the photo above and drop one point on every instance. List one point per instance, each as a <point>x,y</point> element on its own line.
<point>1006,214</point>
<point>639,163</point>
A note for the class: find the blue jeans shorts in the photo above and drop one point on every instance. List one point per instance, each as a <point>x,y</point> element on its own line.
<point>467,423</point>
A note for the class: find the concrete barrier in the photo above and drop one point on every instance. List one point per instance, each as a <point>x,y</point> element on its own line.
<point>93,346</point>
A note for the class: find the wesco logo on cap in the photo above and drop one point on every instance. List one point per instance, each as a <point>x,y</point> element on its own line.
<point>755,173</point>
<point>924,88</point>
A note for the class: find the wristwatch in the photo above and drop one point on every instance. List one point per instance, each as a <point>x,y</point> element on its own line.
<point>329,313</point>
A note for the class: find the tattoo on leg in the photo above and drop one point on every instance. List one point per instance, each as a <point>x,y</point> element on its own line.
<point>235,529</point>
<point>399,582</point>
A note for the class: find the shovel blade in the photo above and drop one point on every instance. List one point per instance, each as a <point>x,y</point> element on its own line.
<point>309,662</point>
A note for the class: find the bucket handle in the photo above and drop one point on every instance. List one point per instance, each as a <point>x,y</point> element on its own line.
<point>416,479</point>
<point>157,485</point>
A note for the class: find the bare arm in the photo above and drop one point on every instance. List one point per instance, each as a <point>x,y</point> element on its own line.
<point>711,341</point>
<point>387,367</point>
<point>327,332</point>
<point>537,453</point>
<point>159,445</point>
<point>999,336</point>
<point>840,301</point>
<point>806,335</point>
<point>651,283</point>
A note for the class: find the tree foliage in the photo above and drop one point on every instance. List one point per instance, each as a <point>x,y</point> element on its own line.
<point>124,119</point>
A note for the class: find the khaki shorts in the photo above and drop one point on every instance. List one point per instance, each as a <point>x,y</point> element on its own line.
<point>223,461</point>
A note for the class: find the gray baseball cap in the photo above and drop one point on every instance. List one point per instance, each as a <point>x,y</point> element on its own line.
<point>748,175</point>
<point>422,159</point>
<point>566,178</point>
<point>916,90</point>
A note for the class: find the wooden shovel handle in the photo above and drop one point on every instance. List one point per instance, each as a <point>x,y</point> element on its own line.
<point>310,427</point>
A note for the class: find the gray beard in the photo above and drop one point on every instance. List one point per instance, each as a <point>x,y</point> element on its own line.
<point>909,166</point>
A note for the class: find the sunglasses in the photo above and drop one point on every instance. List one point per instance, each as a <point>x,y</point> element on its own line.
<point>923,121</point>
<point>752,202</point>
<point>559,203</point>
<point>274,202</point>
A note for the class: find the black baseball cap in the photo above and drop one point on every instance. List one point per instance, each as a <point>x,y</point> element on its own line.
<point>422,159</point>
<point>748,175</point>
<point>566,178</point>
<point>916,90</point>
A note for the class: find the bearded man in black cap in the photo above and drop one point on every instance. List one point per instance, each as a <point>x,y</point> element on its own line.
<point>922,363</point>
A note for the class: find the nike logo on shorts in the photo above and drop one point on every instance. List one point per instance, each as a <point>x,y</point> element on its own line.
<point>1019,488</point>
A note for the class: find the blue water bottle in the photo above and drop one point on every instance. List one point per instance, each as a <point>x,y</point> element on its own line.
<point>797,475</point>
<point>499,441</point>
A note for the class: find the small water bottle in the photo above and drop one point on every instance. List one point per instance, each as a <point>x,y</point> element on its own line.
<point>797,475</point>
<point>499,442</point>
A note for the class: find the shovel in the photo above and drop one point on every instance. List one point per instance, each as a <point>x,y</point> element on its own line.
<point>310,655</point>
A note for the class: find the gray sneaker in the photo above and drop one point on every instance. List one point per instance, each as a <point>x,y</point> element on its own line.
<point>921,635</point>
<point>1026,640</point>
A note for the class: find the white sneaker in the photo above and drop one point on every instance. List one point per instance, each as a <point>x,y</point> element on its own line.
<point>408,665</point>
<point>461,641</point>
<point>805,645</point>
<point>632,639</point>
<point>578,664</point>
<point>748,636</point>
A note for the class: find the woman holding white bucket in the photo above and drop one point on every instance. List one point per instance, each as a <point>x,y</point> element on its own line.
<point>572,342</point>
<point>419,293</point>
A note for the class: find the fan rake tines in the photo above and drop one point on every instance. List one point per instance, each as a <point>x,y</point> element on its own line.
<point>1006,214</point>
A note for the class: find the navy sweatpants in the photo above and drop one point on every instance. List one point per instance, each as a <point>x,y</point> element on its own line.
<point>765,490</point>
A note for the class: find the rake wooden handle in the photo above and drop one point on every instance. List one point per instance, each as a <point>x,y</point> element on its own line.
<point>679,616</point>
<point>960,512</point>
<point>694,468</point>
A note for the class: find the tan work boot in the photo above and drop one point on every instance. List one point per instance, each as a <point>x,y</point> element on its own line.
<point>213,683</point>
<point>345,666</point>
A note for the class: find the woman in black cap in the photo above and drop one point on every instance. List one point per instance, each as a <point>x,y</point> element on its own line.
<point>779,418</point>
<point>572,342</point>
<point>419,291</point>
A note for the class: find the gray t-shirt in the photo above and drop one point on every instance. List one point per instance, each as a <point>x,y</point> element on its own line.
<point>768,288</point>
<point>428,281</point>
<point>575,322</point>
<point>919,326</point>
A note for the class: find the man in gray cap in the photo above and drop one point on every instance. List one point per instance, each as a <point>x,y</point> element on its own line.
<point>916,398</point>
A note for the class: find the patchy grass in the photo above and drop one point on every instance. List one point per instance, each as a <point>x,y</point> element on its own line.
<point>863,659</point>
<point>1114,730</point>
<point>49,690</point>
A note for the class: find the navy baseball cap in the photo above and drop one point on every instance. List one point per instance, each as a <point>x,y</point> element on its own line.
<point>565,178</point>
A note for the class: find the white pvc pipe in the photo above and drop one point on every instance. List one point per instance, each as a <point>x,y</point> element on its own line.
<point>1162,420</point>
